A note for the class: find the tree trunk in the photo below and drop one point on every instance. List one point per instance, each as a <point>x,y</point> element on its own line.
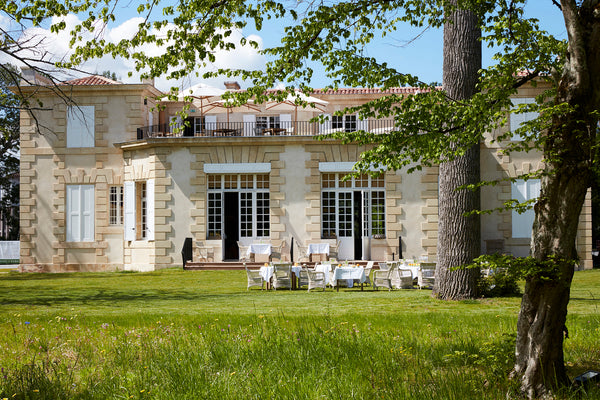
<point>458,235</point>
<point>569,152</point>
<point>541,327</point>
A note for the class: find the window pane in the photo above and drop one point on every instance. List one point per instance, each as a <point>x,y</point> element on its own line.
<point>262,215</point>
<point>214,181</point>
<point>246,181</point>
<point>231,181</point>
<point>116,205</point>
<point>245,214</point>
<point>378,213</point>
<point>214,215</point>
<point>262,181</point>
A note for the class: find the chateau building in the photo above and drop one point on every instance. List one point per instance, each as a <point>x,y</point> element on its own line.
<point>113,182</point>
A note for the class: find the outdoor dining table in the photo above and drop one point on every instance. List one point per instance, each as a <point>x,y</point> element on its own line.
<point>350,274</point>
<point>266,271</point>
<point>325,269</point>
<point>413,267</point>
<point>317,248</point>
<point>263,249</point>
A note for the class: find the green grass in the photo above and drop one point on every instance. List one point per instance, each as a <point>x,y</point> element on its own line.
<point>176,334</point>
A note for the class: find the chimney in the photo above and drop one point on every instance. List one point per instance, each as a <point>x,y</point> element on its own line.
<point>30,76</point>
<point>232,85</point>
<point>148,81</point>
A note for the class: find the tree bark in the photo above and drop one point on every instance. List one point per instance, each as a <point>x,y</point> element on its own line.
<point>569,152</point>
<point>458,235</point>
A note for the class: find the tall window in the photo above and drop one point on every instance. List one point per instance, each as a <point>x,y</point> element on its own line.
<point>142,213</point>
<point>254,206</point>
<point>266,122</point>
<point>116,205</point>
<point>80,213</point>
<point>345,122</point>
<point>516,120</point>
<point>523,190</point>
<point>138,205</point>
<point>337,198</point>
<point>80,126</point>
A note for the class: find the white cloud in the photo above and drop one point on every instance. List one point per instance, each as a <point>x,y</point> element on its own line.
<point>56,47</point>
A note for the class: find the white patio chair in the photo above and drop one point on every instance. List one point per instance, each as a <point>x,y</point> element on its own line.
<point>254,278</point>
<point>383,266</point>
<point>303,277</point>
<point>334,250</point>
<point>243,252</point>
<point>202,253</point>
<point>277,252</point>
<point>405,278</point>
<point>426,275</point>
<point>315,280</point>
<point>302,250</point>
<point>383,278</point>
<point>282,276</point>
<point>368,269</point>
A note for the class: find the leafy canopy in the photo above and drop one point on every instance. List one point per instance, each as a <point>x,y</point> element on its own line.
<point>336,35</point>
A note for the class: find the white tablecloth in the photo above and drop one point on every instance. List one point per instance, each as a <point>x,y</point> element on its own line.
<point>350,274</point>
<point>413,267</point>
<point>267,272</point>
<point>259,248</point>
<point>325,269</point>
<point>317,248</point>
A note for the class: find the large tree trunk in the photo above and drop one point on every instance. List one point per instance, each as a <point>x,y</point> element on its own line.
<point>569,153</point>
<point>458,235</point>
<point>541,327</point>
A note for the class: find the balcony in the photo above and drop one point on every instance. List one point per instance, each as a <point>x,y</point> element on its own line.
<point>246,129</point>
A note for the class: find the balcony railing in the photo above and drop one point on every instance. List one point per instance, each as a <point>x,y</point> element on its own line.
<point>243,129</point>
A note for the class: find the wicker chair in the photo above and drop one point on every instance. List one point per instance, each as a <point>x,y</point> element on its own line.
<point>282,276</point>
<point>243,250</point>
<point>315,280</point>
<point>405,279</point>
<point>383,278</point>
<point>303,277</point>
<point>334,250</point>
<point>302,250</point>
<point>426,275</point>
<point>254,278</point>
<point>368,269</point>
<point>203,253</point>
<point>277,253</point>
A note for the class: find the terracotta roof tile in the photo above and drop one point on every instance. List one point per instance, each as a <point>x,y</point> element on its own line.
<point>351,91</point>
<point>92,80</point>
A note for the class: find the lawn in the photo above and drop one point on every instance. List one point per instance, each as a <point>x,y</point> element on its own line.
<point>176,334</point>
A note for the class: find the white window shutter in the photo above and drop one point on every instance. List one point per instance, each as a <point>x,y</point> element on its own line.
<point>129,210</point>
<point>326,125</point>
<point>73,213</point>
<point>87,213</point>
<point>517,119</point>
<point>521,191</point>
<point>150,209</point>
<point>210,122</point>
<point>285,122</point>
<point>80,126</point>
<point>249,124</point>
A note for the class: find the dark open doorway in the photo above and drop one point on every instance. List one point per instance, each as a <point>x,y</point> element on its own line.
<point>357,224</point>
<point>231,226</point>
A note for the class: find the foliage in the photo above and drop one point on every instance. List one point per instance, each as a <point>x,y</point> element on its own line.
<point>9,150</point>
<point>176,334</point>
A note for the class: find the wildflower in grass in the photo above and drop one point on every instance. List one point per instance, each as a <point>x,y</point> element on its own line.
<point>26,322</point>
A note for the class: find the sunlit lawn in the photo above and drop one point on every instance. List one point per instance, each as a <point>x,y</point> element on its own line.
<point>181,334</point>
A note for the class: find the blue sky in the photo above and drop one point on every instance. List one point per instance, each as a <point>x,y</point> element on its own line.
<point>421,57</point>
